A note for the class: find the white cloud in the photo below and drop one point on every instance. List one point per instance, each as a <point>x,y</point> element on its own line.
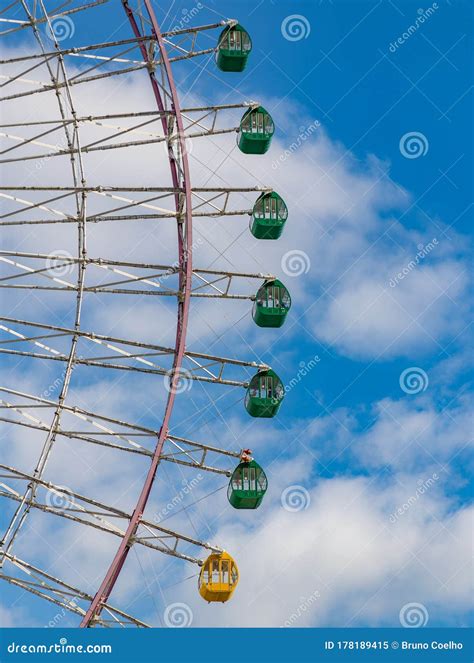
<point>413,432</point>
<point>345,548</point>
<point>365,317</point>
<point>343,213</point>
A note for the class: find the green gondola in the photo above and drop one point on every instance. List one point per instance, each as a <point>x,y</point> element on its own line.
<point>271,305</point>
<point>256,131</point>
<point>264,394</point>
<point>233,48</point>
<point>269,215</point>
<point>247,486</point>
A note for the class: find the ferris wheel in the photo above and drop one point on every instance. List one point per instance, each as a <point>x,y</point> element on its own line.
<point>67,226</point>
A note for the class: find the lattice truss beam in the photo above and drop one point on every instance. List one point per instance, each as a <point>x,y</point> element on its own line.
<point>30,578</point>
<point>30,411</point>
<point>39,139</point>
<point>55,272</point>
<point>64,503</point>
<point>54,69</point>
<point>72,135</point>
<point>22,204</point>
<point>182,43</point>
<point>30,139</point>
<point>50,342</point>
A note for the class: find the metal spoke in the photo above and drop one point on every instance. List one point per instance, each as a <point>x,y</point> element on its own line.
<point>31,141</point>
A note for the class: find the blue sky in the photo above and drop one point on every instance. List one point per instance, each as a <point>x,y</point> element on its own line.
<point>355,444</point>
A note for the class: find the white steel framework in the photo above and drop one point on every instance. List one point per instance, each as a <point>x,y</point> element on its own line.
<point>52,71</point>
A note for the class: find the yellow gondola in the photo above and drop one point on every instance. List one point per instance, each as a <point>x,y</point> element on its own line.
<point>218,578</point>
